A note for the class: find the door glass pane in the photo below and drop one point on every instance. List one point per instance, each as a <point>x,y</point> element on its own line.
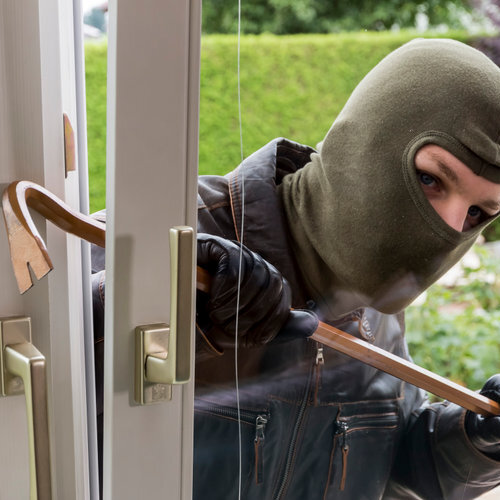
<point>359,239</point>
<point>350,229</point>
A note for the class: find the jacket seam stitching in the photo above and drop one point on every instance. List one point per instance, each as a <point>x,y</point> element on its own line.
<point>233,184</point>
<point>220,204</point>
<point>330,466</point>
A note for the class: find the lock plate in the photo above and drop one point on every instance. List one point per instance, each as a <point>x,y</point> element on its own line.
<point>13,330</point>
<point>150,340</point>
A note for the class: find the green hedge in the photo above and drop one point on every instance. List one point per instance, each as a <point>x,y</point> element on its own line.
<point>291,86</point>
<point>95,81</point>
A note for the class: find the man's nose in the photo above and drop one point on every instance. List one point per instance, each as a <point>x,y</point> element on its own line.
<point>454,212</point>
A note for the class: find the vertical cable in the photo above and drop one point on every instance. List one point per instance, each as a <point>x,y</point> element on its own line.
<point>240,260</point>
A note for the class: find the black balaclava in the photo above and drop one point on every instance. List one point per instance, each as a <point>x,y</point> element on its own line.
<point>358,218</point>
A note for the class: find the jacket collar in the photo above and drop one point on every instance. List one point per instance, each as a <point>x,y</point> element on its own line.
<point>265,228</point>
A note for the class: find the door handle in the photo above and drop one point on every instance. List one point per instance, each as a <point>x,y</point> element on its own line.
<point>163,352</point>
<point>20,361</point>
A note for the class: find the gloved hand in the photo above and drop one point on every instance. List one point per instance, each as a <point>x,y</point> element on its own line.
<point>265,298</point>
<point>484,432</point>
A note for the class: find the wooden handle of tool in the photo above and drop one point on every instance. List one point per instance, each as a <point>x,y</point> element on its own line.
<point>405,370</point>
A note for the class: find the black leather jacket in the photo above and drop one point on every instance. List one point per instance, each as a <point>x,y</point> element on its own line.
<point>316,424</point>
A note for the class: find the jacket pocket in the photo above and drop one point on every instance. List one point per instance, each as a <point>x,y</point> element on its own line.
<point>219,424</point>
<point>361,452</point>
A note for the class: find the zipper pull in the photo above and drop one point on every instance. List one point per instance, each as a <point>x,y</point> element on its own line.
<point>260,425</point>
<point>320,359</point>
<point>342,428</point>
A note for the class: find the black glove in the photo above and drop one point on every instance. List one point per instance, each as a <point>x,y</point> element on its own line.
<point>265,298</point>
<point>484,432</point>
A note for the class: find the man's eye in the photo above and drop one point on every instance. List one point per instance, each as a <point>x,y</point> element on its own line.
<point>475,212</point>
<point>427,179</point>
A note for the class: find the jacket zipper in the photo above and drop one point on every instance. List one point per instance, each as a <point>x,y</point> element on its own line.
<point>295,434</point>
<point>364,328</point>
<point>260,425</point>
<point>343,428</point>
<point>260,422</point>
<point>320,361</point>
<point>227,411</point>
<point>371,421</point>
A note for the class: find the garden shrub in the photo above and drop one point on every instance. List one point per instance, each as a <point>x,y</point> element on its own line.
<point>455,332</point>
<point>325,16</point>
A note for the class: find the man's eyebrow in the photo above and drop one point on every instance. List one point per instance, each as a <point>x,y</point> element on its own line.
<point>493,205</point>
<point>447,171</point>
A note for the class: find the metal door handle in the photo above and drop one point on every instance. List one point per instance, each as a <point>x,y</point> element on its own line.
<point>163,352</point>
<point>20,361</point>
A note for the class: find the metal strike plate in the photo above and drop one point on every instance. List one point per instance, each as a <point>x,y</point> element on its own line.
<point>69,146</point>
<point>150,341</point>
<point>13,330</point>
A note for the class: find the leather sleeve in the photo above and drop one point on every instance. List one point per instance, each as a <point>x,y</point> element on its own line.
<point>98,298</point>
<point>436,460</point>
<point>214,217</point>
<point>205,347</point>
<point>213,200</point>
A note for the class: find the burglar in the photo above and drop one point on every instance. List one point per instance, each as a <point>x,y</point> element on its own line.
<point>404,181</point>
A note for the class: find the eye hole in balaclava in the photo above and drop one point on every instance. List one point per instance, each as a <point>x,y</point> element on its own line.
<point>459,196</point>
<point>455,185</point>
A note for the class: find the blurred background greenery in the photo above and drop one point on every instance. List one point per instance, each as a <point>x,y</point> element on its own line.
<point>300,60</point>
<point>324,16</point>
<point>454,329</point>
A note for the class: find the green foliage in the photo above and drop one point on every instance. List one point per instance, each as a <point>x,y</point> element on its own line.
<point>455,332</point>
<point>95,75</point>
<point>492,232</point>
<point>327,16</point>
<point>291,86</point>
